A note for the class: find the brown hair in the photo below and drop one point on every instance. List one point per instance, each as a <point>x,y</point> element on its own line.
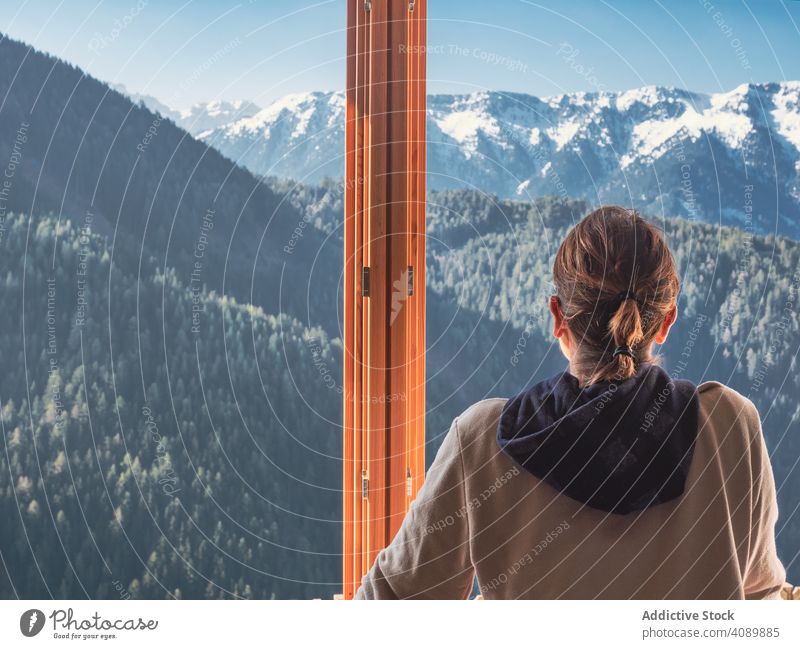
<point>616,281</point>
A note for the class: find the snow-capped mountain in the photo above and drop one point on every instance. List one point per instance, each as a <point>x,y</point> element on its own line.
<point>730,157</point>
<point>300,136</point>
<point>203,118</point>
<point>200,118</point>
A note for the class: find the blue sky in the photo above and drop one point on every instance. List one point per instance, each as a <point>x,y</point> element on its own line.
<point>187,51</point>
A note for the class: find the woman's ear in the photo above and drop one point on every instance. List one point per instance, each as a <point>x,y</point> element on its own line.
<point>669,320</point>
<point>559,326</point>
<point>560,329</point>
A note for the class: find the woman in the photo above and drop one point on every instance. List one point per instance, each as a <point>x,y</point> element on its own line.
<point>610,480</point>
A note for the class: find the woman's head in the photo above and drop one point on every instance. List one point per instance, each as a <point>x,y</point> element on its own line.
<point>616,289</point>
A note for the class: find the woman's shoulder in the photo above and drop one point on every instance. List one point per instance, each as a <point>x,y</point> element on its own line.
<point>482,412</point>
<point>476,430</point>
<point>721,402</point>
<point>716,392</point>
<point>479,418</point>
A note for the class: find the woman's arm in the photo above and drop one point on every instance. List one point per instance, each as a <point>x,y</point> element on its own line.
<point>429,557</point>
<point>765,574</point>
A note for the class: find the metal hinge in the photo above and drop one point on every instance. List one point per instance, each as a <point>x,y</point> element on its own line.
<point>365,281</point>
<point>410,280</point>
<point>367,5</point>
<point>411,5</point>
<point>364,485</point>
<point>409,482</point>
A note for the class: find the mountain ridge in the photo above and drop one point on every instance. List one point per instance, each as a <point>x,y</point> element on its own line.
<point>89,149</point>
<point>664,150</point>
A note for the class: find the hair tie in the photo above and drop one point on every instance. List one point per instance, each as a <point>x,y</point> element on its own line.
<point>626,295</point>
<point>624,350</point>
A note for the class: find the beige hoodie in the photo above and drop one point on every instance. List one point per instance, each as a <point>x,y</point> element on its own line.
<point>481,515</point>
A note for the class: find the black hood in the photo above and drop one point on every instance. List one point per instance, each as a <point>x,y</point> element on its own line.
<point>618,446</point>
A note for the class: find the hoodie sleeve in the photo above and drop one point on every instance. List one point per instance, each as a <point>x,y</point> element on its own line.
<point>429,557</point>
<point>765,574</point>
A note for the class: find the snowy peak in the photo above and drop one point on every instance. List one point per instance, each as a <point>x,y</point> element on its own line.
<point>205,117</point>
<point>786,112</point>
<point>299,110</point>
<point>199,118</point>
<point>300,136</point>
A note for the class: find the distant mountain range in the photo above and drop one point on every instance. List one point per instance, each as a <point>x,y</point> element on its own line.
<point>731,157</point>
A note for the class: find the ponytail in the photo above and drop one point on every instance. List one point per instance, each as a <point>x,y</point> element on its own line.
<point>625,329</point>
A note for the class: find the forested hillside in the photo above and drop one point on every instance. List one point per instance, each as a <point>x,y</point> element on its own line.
<point>138,454</point>
<point>159,443</point>
<point>168,451</point>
